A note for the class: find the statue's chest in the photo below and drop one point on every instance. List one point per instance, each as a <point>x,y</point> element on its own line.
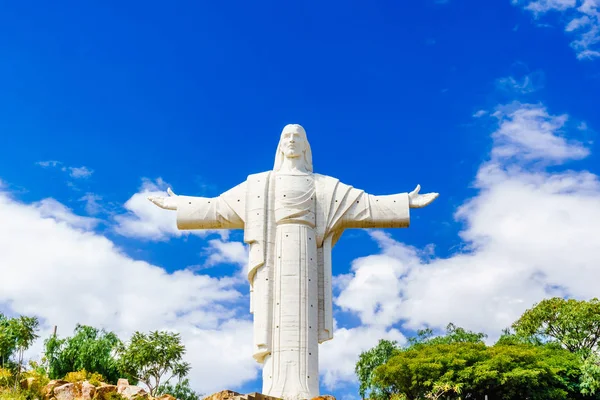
<point>295,198</point>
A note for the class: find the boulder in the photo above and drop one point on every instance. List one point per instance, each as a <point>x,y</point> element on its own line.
<point>104,390</point>
<point>133,392</point>
<point>69,391</point>
<point>122,384</point>
<point>223,395</point>
<point>87,391</point>
<point>165,396</point>
<point>48,390</point>
<point>28,383</point>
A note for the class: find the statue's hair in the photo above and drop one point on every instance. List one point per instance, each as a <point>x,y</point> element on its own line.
<point>307,152</point>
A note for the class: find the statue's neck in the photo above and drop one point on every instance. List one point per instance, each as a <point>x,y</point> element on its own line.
<point>295,165</point>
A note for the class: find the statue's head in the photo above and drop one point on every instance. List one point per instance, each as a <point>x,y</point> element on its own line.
<point>293,144</point>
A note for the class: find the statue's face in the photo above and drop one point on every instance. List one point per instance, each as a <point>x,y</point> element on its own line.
<point>293,143</point>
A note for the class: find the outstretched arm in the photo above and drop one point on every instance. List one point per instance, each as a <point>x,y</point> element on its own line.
<point>391,211</point>
<point>223,212</point>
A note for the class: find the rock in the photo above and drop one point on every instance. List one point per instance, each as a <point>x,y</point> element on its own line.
<point>166,396</point>
<point>121,385</point>
<point>87,391</point>
<point>48,390</point>
<point>103,391</point>
<point>324,397</point>
<point>69,391</point>
<point>258,396</point>
<point>133,392</point>
<point>223,395</point>
<point>28,383</point>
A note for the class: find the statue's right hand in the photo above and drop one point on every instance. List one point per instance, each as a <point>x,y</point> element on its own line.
<point>168,203</point>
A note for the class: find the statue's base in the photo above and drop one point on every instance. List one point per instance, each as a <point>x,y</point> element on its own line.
<point>231,395</point>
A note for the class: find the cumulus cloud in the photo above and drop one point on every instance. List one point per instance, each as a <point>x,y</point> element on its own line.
<point>583,22</point>
<point>56,267</point>
<point>528,133</point>
<point>529,234</point>
<point>338,357</point>
<point>144,220</point>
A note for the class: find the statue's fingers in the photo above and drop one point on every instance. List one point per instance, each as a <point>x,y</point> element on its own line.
<point>170,192</point>
<point>417,188</point>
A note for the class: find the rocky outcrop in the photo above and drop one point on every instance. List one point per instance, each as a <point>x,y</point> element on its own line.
<point>63,390</point>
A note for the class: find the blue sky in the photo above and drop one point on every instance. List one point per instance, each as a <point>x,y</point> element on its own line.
<point>102,103</point>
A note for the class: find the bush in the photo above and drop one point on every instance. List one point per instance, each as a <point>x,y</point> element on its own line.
<point>5,377</point>
<point>79,376</point>
<point>11,394</point>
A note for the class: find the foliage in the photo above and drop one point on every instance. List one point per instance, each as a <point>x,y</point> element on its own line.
<point>420,371</point>
<point>79,376</point>
<point>181,391</point>
<point>7,342</point>
<point>23,330</point>
<point>89,349</point>
<point>16,336</point>
<point>572,323</point>
<point>460,365</point>
<point>5,377</point>
<point>453,334</point>
<point>590,374</point>
<point>13,394</point>
<point>367,362</point>
<point>151,357</point>
<point>110,396</point>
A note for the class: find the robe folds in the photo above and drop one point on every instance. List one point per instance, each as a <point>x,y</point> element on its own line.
<point>250,206</point>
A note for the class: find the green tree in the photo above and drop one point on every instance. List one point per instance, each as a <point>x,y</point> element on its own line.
<point>454,334</point>
<point>590,375</point>
<point>573,323</point>
<point>7,341</point>
<point>149,358</point>
<point>421,371</point>
<point>89,348</point>
<point>181,390</point>
<point>23,330</point>
<point>367,362</point>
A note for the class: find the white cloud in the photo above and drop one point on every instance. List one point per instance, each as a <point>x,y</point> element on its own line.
<point>529,233</point>
<point>543,6</point>
<point>338,357</point>
<point>480,114</point>
<point>583,22</point>
<point>145,220</point>
<point>49,163</point>
<point>74,172</point>
<point>529,133</point>
<point>224,252</point>
<point>92,205</point>
<point>50,208</point>
<point>79,172</point>
<point>525,84</point>
<point>55,267</point>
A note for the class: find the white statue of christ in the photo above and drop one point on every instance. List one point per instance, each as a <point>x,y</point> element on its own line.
<point>292,218</point>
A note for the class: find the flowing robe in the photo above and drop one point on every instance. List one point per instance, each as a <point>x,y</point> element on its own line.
<point>313,217</point>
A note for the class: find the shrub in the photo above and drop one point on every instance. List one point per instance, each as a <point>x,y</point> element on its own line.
<point>82,375</point>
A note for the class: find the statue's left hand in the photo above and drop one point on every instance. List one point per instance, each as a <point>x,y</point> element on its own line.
<point>168,203</point>
<point>416,200</point>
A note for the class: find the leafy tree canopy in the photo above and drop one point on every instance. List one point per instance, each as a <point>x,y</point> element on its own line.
<point>88,349</point>
<point>181,390</point>
<point>150,358</point>
<point>573,323</point>
<point>473,370</point>
<point>368,361</point>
